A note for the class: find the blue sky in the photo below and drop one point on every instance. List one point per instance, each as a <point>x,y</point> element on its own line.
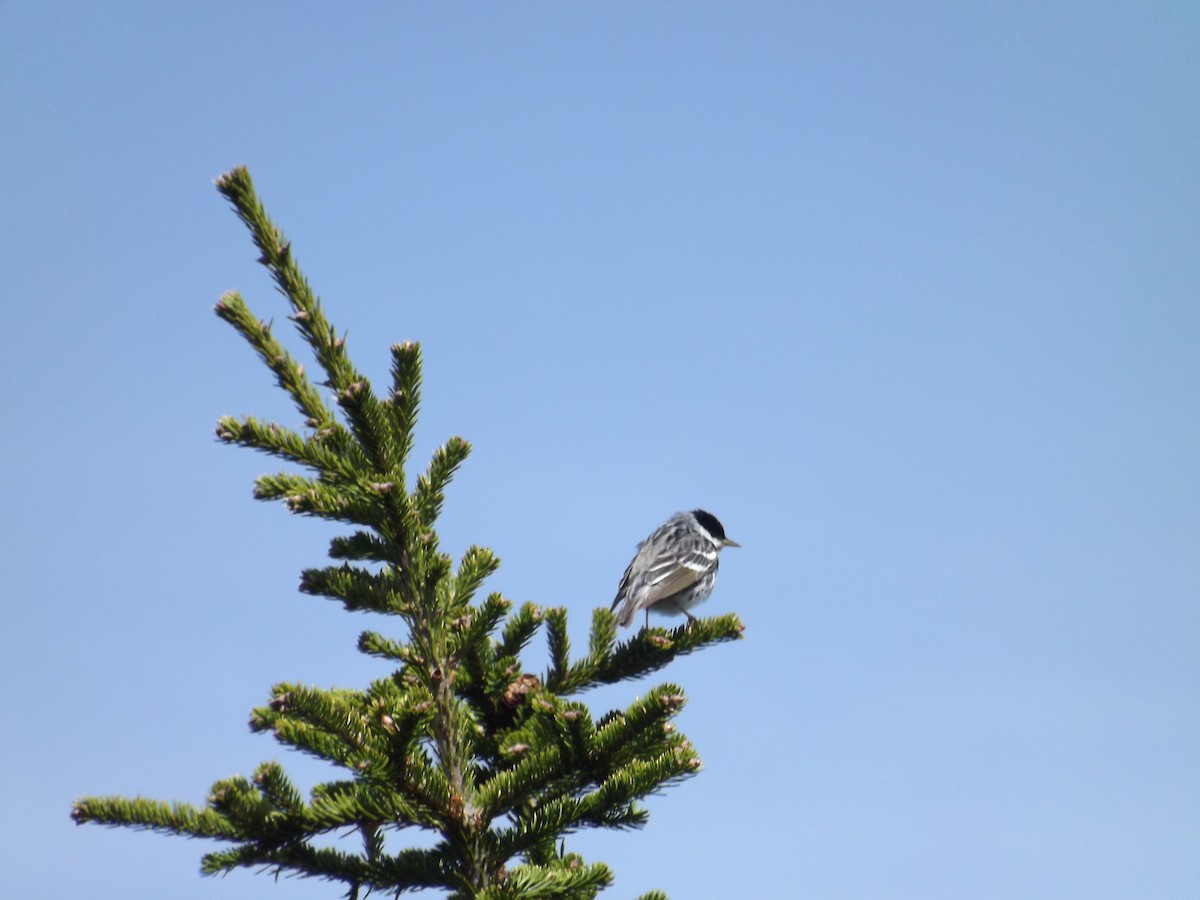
<point>908,295</point>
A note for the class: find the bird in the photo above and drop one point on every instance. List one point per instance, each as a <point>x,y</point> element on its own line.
<point>674,568</point>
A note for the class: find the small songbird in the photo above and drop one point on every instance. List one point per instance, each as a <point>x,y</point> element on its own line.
<point>674,568</point>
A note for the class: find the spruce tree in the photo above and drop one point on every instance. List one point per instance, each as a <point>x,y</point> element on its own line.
<point>497,763</point>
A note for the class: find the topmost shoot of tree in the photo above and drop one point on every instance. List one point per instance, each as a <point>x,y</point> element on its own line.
<point>499,764</point>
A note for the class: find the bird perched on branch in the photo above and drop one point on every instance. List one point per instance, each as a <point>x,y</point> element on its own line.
<point>674,568</point>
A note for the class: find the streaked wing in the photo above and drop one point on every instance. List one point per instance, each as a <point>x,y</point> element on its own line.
<point>691,558</point>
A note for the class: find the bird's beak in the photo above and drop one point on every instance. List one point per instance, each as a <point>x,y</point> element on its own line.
<point>728,543</point>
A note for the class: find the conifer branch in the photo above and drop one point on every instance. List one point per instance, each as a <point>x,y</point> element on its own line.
<point>350,388</point>
<point>553,882</point>
<point>343,803</point>
<point>285,444</point>
<point>476,565</point>
<point>520,629</point>
<point>429,493</point>
<point>153,815</point>
<point>405,399</point>
<point>361,546</point>
<point>651,649</point>
<point>483,620</point>
<point>460,741</point>
<point>375,644</point>
<point>288,373</point>
<point>270,779</point>
<point>560,648</point>
<point>357,588</point>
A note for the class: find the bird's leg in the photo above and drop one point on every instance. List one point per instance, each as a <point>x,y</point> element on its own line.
<point>691,619</point>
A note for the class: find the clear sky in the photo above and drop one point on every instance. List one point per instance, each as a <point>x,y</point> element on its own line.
<point>907,294</point>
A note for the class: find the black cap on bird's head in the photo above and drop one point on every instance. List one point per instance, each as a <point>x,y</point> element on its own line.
<point>713,526</point>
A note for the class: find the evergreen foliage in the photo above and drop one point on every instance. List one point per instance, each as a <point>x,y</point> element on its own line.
<point>496,763</point>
